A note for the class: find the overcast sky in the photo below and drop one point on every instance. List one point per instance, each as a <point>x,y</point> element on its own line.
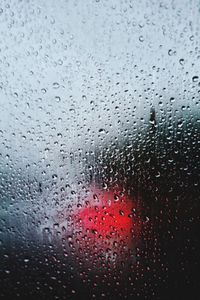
<point>72,68</point>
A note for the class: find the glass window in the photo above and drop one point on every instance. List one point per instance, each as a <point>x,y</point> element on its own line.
<point>99,153</point>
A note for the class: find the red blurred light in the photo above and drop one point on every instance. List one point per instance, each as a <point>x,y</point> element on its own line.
<point>109,224</point>
<point>107,217</point>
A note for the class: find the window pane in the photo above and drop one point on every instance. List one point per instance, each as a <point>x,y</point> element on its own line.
<point>99,154</point>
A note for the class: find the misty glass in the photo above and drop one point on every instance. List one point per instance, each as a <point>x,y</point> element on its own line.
<point>99,153</point>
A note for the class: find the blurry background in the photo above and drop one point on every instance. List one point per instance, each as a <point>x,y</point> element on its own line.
<point>99,94</point>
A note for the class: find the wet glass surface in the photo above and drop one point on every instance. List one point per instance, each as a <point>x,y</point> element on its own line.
<point>99,153</point>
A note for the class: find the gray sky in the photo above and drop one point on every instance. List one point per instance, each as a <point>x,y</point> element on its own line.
<point>70,68</point>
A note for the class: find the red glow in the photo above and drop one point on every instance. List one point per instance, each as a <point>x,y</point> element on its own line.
<point>109,224</point>
<point>108,218</point>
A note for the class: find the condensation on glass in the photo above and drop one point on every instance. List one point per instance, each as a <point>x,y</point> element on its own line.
<point>99,153</point>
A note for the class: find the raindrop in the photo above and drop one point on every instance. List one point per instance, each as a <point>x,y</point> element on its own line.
<point>141,38</point>
<point>195,78</point>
